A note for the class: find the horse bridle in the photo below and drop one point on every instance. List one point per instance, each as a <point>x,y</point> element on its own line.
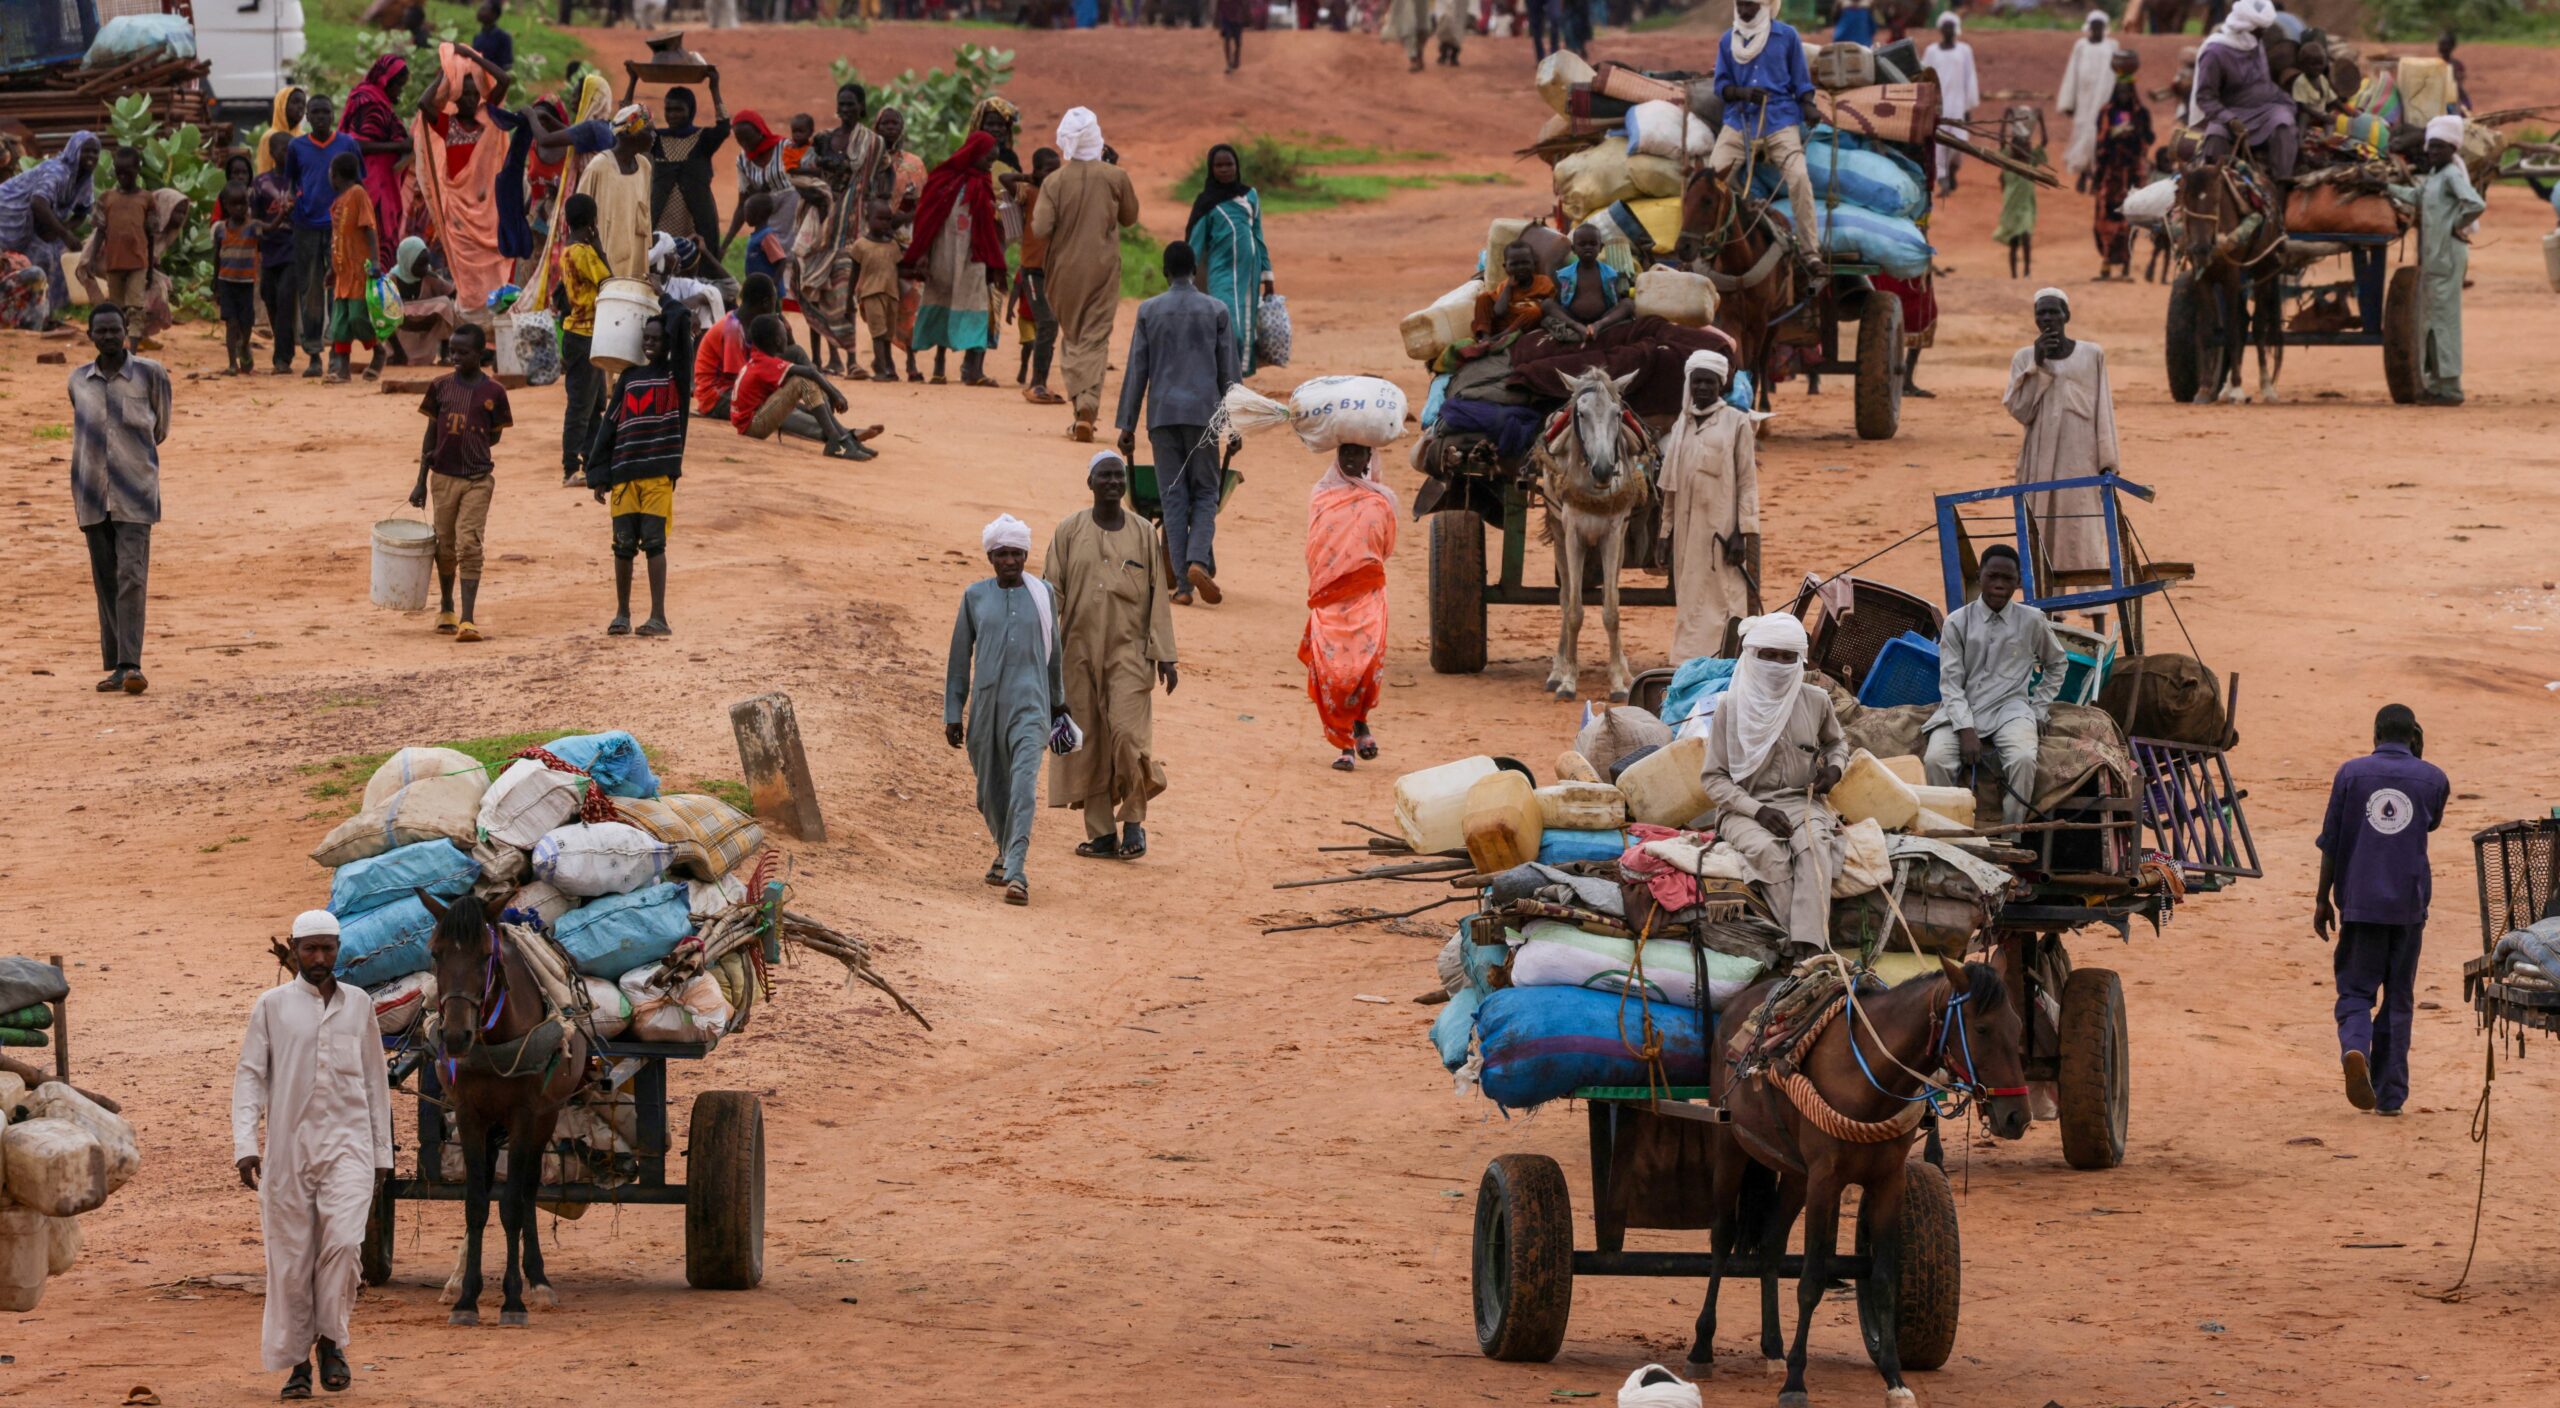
<point>1948,1099</point>
<point>492,980</point>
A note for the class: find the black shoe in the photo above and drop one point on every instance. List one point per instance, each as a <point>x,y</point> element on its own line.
<point>134,683</point>
<point>2359,1080</point>
<point>113,682</point>
<point>311,372</point>
<point>1100,848</point>
<point>298,1383</point>
<point>1133,841</point>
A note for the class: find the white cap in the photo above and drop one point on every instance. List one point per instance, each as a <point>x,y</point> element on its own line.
<point>2445,128</point>
<point>315,921</point>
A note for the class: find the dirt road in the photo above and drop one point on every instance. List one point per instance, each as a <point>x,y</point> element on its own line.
<point>1146,1154</point>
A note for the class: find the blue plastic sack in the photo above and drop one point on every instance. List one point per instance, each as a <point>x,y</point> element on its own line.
<point>382,944</point>
<point>1542,1044</point>
<point>609,937</point>
<point>1870,180</point>
<point>1739,395</point>
<point>438,867</point>
<point>1431,403</point>
<point>1853,235</point>
<point>1890,151</point>
<point>128,37</point>
<point>614,760</point>
<point>1695,680</point>
<point>1456,1023</point>
<point>1561,847</point>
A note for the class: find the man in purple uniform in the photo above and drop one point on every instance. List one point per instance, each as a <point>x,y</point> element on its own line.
<point>2374,877</point>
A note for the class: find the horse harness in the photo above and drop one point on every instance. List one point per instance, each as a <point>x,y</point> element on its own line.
<point>1781,1063</point>
<point>537,1052</point>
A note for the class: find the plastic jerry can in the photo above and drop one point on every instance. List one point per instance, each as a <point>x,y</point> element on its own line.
<point>1869,790</point>
<point>1503,822</point>
<point>1664,789</point>
<point>1431,804</point>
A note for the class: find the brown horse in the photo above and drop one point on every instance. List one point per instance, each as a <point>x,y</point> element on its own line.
<point>1729,242</point>
<point>508,1069</point>
<point>1958,1021</point>
<point>2232,262</point>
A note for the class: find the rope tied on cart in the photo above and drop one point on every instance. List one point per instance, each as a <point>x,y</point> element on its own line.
<point>1657,1081</point>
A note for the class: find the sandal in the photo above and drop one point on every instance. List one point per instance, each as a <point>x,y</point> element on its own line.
<point>334,1374</point>
<point>1343,763</point>
<point>980,381</point>
<point>620,626</point>
<point>1100,848</point>
<point>1133,842</point>
<point>466,632</point>
<point>655,627</point>
<point>854,374</point>
<point>298,1383</point>
<point>1043,396</point>
<point>1367,746</point>
<point>1018,892</point>
<point>995,871</point>
<point>445,622</point>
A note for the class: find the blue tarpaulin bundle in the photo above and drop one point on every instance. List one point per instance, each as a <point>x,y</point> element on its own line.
<point>613,759</point>
<point>611,936</point>
<point>1695,680</point>
<point>386,943</point>
<point>1542,1044</point>
<point>438,867</point>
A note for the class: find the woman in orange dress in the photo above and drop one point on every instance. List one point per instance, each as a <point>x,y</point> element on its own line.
<point>1351,532</point>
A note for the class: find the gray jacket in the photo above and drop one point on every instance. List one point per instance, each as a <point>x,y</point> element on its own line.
<point>1182,358</point>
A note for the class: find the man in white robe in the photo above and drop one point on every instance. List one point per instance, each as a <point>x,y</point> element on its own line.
<point>1773,753</point>
<point>311,1064</point>
<point>1710,489</point>
<point>2058,390</point>
<point>1959,87</point>
<point>2088,80</point>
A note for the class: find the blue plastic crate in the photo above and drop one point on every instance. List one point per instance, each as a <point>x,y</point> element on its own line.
<point>1905,672</point>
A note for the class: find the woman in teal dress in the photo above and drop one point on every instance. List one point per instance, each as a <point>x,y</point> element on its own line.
<point>1226,235</point>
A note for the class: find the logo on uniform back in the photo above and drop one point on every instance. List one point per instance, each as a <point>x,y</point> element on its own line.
<point>2388,811</point>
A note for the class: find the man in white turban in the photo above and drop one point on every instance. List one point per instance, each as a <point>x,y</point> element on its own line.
<point>311,1066</point>
<point>1083,207</point>
<point>2235,94</point>
<point>2088,80</point>
<point>1959,86</point>
<point>1710,488</point>
<point>2447,205</point>
<point>1004,670</point>
<point>1773,753</point>
<point>2058,390</point>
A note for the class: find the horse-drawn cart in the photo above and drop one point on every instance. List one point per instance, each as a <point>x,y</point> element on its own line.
<point>2519,870</point>
<point>2368,303</point>
<point>722,1193</point>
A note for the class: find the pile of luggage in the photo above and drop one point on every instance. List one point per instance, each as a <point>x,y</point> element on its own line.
<point>605,884</point>
<point>62,1151</point>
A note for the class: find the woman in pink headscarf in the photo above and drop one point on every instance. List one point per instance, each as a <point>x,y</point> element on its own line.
<point>372,118</point>
<point>459,156</point>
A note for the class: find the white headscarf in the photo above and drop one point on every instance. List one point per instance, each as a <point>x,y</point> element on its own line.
<point>2240,27</point>
<point>1080,135</point>
<point>1762,698</point>
<point>1749,36</point>
<point>2094,17</point>
<point>2446,128</point>
<point>1334,478</point>
<point>2053,293</point>
<point>1950,17</point>
<point>1006,532</point>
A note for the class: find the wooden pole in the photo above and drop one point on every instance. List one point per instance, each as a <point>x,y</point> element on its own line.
<point>61,1033</point>
<point>777,768</point>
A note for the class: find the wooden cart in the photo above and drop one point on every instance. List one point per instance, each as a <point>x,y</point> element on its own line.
<point>2519,869</point>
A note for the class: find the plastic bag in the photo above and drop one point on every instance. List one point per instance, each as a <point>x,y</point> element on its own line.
<point>1271,332</point>
<point>1327,413</point>
<point>600,858</point>
<point>538,346</point>
<point>129,37</point>
<point>398,1005</point>
<point>694,1012</point>
<point>529,801</point>
<point>382,306</point>
<point>1667,1390</point>
<point>613,759</point>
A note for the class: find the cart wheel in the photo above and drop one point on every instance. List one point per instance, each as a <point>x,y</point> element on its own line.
<point>2095,1092</point>
<point>724,1192</point>
<point>1879,391</point>
<point>2403,340</point>
<point>1457,592</point>
<point>1929,1272</point>
<point>2181,340</point>
<point>381,1228</point>
<point>1523,1258</point>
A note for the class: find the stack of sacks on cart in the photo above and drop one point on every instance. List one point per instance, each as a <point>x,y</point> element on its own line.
<point>61,1151</point>
<point>597,878</point>
<point>1612,921</point>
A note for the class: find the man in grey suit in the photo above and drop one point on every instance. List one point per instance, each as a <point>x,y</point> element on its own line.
<point>1182,359</point>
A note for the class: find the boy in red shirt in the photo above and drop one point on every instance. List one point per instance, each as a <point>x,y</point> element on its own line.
<point>779,393</point>
<point>466,413</point>
<point>355,253</point>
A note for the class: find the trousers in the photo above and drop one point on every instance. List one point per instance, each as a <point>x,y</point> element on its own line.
<point>1795,870</point>
<point>1541,29</point>
<point>120,573</point>
<point>314,1220</point>
<point>585,384</point>
<point>311,284</point>
<point>2011,748</point>
<point>1187,480</point>
<point>1785,147</point>
<point>279,289</point>
<point>2378,960</point>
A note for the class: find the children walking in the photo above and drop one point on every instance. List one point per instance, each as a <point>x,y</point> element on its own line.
<point>2022,131</point>
<point>121,249</point>
<point>355,255</point>
<point>875,287</point>
<point>633,466</point>
<point>235,277</point>
<point>466,412</point>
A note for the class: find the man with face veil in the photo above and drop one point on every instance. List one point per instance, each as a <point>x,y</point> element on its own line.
<point>1082,210</point>
<point>1773,751</point>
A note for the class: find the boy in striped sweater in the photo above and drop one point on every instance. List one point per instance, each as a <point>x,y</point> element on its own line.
<point>632,467</point>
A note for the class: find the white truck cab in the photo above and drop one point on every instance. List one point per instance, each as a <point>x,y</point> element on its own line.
<point>250,44</point>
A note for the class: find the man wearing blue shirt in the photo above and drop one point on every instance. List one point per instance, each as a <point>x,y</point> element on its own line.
<point>306,165</point>
<point>2374,877</point>
<point>1762,76</point>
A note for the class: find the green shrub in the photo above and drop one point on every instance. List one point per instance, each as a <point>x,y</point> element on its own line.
<point>936,104</point>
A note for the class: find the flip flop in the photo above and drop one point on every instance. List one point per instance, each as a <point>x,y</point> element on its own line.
<point>620,626</point>
<point>1343,763</point>
<point>1367,747</point>
<point>654,627</point>
<point>981,381</point>
<point>1043,396</point>
<point>298,1383</point>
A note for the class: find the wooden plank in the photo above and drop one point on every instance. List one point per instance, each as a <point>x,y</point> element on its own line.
<point>777,767</point>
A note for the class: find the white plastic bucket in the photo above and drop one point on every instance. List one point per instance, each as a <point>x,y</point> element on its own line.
<point>2551,258</point>
<point>622,305</point>
<point>404,563</point>
<point>510,357</point>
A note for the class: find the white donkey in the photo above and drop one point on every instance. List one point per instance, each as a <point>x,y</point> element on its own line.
<point>1597,465</point>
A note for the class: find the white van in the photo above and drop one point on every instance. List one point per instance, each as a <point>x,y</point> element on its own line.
<point>249,43</point>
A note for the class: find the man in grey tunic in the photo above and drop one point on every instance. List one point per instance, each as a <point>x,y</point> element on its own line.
<point>2447,205</point>
<point>1182,359</point>
<point>1992,702</point>
<point>1004,666</point>
<point>1773,752</point>
<point>2235,96</point>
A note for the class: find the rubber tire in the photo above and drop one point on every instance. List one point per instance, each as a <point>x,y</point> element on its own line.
<point>2181,340</point>
<point>1929,1275</point>
<point>1457,592</point>
<point>2095,1083</point>
<point>1523,1259</point>
<point>381,1229</point>
<point>1879,389</point>
<point>724,1192</point>
<point>2403,339</point>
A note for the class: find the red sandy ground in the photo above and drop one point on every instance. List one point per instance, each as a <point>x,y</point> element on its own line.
<point>1147,1155</point>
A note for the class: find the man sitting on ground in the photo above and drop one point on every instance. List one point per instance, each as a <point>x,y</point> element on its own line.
<point>2000,668</point>
<point>779,392</point>
<point>722,353</point>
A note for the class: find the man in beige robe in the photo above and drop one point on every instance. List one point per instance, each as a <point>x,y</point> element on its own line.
<point>1710,511</point>
<point>618,182</point>
<point>1773,753</point>
<point>1082,209</point>
<point>2058,390</point>
<point>1115,627</point>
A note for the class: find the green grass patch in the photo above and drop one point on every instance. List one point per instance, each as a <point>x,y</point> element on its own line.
<point>55,431</point>
<point>1293,175</point>
<point>1141,264</point>
<point>337,49</point>
<point>728,790</point>
<point>343,778</point>
<point>218,845</point>
<point>348,701</point>
<point>2030,19</point>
